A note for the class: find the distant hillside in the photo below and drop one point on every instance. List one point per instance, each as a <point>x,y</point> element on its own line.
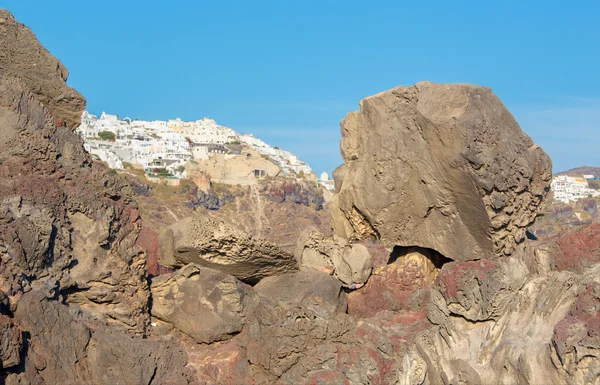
<point>583,170</point>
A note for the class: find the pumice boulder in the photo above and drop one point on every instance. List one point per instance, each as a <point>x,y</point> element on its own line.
<point>439,166</point>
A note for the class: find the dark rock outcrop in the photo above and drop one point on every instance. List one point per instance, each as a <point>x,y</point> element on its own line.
<point>444,167</point>
<point>289,190</point>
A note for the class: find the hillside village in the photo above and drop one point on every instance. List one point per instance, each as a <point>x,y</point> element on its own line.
<point>174,149</point>
<point>572,188</point>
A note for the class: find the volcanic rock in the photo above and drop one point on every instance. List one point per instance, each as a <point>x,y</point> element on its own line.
<point>10,343</point>
<point>444,167</point>
<point>350,263</point>
<point>294,325</point>
<point>67,347</point>
<point>23,57</point>
<point>208,305</point>
<point>61,216</point>
<point>401,285</point>
<point>499,323</point>
<point>314,291</point>
<point>212,243</point>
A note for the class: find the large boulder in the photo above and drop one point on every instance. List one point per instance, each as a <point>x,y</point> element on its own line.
<point>438,166</point>
<point>315,291</point>
<point>212,243</point>
<point>206,304</point>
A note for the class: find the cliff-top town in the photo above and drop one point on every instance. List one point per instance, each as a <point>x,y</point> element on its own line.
<point>170,149</point>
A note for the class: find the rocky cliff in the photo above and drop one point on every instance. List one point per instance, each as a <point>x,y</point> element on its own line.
<point>72,279</point>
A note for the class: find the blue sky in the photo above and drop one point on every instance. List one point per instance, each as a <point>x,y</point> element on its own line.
<point>289,71</point>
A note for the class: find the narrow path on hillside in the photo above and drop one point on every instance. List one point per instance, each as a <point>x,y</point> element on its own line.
<point>258,211</point>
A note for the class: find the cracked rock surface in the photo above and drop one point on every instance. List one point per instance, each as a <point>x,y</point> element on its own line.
<point>439,166</point>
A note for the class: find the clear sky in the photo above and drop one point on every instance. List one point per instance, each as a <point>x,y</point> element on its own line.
<point>288,71</point>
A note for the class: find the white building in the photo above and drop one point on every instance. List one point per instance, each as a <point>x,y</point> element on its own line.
<point>288,162</point>
<point>325,182</point>
<point>169,144</point>
<point>567,189</point>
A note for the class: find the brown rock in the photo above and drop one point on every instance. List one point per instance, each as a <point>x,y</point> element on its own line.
<point>208,305</point>
<point>61,216</point>
<point>350,263</point>
<point>315,291</point>
<point>68,347</point>
<point>10,343</point>
<point>444,167</point>
<point>23,57</point>
<point>297,318</point>
<point>212,243</point>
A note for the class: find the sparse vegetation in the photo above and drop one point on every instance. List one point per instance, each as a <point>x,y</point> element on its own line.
<point>107,135</point>
<point>161,172</point>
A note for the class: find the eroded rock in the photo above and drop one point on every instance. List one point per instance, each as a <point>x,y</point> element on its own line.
<point>208,305</point>
<point>296,321</point>
<point>350,263</point>
<point>212,243</point>
<point>23,57</point>
<point>438,166</point>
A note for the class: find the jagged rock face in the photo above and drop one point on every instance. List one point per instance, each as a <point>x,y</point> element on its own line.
<point>51,197</point>
<point>23,57</point>
<point>208,305</point>
<point>499,322</point>
<point>296,313</point>
<point>350,263</point>
<point>60,215</point>
<point>444,167</point>
<point>210,242</point>
<point>11,343</point>
<point>69,347</point>
<point>290,190</point>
